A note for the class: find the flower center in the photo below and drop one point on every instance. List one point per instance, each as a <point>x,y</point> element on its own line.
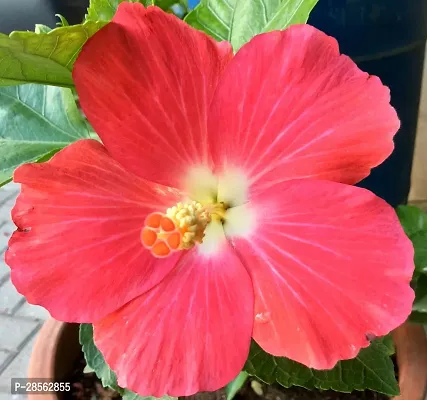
<point>180,228</point>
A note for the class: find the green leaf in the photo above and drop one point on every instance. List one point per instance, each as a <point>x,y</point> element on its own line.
<point>418,317</point>
<point>371,369</point>
<point>35,122</point>
<point>235,385</point>
<point>87,370</point>
<point>387,341</point>
<point>45,157</point>
<point>165,4</point>
<point>62,20</point>
<point>237,21</point>
<point>419,241</point>
<point>413,219</point>
<point>128,395</point>
<point>184,3</point>
<point>40,28</point>
<point>420,303</point>
<point>213,17</point>
<point>95,359</point>
<point>46,58</point>
<point>104,10</point>
<point>414,223</point>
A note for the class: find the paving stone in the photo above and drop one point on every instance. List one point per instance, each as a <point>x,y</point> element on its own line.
<point>8,396</point>
<point>11,187</point>
<point>9,191</point>
<point>9,297</point>
<point>7,196</point>
<point>4,356</point>
<point>6,231</point>
<point>14,331</point>
<point>4,269</point>
<point>7,228</point>
<point>10,201</point>
<point>18,367</point>
<point>32,311</point>
<point>5,214</point>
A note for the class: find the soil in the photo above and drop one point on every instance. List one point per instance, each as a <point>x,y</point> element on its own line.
<point>86,386</point>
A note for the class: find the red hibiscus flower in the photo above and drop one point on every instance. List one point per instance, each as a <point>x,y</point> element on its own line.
<point>219,207</point>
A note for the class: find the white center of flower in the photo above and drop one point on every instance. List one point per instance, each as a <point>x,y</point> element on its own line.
<point>216,208</point>
<point>230,188</point>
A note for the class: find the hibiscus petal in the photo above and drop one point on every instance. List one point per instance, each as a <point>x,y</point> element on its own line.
<point>290,106</point>
<point>150,77</point>
<point>191,333</point>
<point>77,251</point>
<point>331,267</point>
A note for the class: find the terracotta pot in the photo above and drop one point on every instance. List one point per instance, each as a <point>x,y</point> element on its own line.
<point>411,352</point>
<point>57,348</point>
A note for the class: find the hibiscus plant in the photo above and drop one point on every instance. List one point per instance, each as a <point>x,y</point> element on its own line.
<point>187,196</point>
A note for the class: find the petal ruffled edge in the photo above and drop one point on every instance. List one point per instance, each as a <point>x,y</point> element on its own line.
<point>331,267</point>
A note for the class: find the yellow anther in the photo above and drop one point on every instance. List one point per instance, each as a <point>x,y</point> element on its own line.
<point>180,228</point>
<point>191,219</point>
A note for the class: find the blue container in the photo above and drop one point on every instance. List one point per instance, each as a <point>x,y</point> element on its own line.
<point>193,3</point>
<point>386,38</point>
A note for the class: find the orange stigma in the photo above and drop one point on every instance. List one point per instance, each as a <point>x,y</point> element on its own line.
<point>160,235</point>
<point>179,229</point>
